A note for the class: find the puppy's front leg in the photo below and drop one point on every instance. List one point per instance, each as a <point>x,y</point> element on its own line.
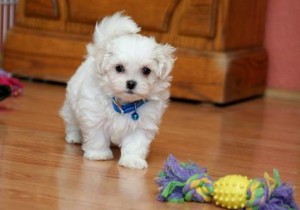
<point>135,149</point>
<point>96,145</point>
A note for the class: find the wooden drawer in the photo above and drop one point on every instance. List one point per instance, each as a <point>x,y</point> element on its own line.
<point>141,11</point>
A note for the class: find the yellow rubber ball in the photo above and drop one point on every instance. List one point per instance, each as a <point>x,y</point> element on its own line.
<point>231,191</point>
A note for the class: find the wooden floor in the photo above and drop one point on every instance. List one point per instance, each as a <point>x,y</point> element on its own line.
<point>39,170</point>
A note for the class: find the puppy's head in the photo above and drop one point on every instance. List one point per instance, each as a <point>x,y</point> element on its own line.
<point>135,67</point>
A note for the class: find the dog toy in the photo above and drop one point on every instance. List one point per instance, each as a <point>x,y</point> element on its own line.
<point>181,182</point>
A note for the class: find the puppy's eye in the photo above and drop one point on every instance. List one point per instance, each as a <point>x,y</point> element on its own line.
<point>120,68</point>
<point>146,71</point>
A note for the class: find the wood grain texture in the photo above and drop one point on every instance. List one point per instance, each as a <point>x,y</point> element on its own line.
<point>39,170</point>
<point>220,56</point>
<point>199,18</point>
<point>246,30</point>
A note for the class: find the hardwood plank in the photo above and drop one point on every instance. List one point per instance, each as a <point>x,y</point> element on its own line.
<point>38,170</point>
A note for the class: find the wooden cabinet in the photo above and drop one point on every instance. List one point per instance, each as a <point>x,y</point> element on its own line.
<point>220,55</point>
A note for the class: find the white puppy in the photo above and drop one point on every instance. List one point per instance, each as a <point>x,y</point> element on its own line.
<point>119,93</point>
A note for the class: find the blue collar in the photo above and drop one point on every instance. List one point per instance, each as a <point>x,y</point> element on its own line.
<point>129,107</point>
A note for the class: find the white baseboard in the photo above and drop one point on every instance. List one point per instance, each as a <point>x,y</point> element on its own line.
<point>284,94</point>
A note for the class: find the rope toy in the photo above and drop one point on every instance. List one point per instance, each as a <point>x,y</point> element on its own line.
<point>181,182</point>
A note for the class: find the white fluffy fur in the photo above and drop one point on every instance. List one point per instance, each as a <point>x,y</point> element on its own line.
<point>88,112</point>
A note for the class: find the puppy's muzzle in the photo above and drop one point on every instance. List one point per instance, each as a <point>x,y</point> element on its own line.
<point>131,84</point>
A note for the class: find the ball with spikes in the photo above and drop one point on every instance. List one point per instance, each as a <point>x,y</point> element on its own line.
<point>231,191</point>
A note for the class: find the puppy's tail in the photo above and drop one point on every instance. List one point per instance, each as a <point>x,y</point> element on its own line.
<point>112,26</point>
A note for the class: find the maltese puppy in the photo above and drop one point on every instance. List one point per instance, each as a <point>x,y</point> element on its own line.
<point>119,93</point>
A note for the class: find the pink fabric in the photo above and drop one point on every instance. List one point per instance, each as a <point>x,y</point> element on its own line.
<point>15,85</point>
<point>283,44</point>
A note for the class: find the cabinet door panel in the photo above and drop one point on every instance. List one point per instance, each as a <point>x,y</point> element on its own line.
<point>42,9</point>
<point>151,15</point>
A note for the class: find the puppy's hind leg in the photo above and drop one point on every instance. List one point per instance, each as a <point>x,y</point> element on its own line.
<point>73,134</point>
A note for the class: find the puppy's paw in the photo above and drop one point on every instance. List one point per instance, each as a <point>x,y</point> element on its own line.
<point>131,161</point>
<point>73,137</point>
<point>98,155</point>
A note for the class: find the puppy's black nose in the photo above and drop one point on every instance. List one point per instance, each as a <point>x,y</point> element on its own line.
<point>130,84</point>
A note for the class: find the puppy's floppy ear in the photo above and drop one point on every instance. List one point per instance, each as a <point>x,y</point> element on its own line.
<point>100,55</point>
<point>165,60</point>
<point>102,62</point>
